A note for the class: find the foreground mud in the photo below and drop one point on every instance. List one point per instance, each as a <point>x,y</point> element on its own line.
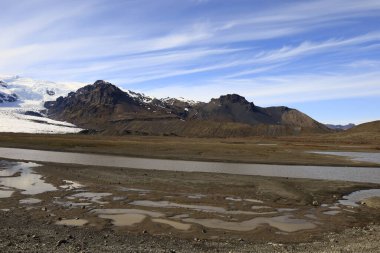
<point>68,208</point>
<point>20,233</point>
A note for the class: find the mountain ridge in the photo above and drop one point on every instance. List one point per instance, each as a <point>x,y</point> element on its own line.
<point>105,107</point>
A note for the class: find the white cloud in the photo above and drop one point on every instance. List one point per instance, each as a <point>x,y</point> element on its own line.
<point>281,89</point>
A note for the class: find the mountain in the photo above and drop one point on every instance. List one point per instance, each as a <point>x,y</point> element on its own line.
<point>6,96</point>
<point>107,109</point>
<point>30,93</point>
<point>340,127</point>
<point>366,133</point>
<point>21,104</point>
<point>369,127</point>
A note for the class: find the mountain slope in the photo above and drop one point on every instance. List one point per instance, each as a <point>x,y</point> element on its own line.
<point>106,108</point>
<point>369,127</point>
<point>102,104</point>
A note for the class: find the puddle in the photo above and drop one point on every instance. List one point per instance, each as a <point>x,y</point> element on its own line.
<point>71,185</point>
<point>260,207</point>
<point>200,208</point>
<point>358,196</point>
<point>92,196</point>
<point>311,216</point>
<point>119,198</point>
<point>71,204</point>
<point>180,216</point>
<point>196,196</point>
<point>240,199</point>
<point>233,199</point>
<point>332,212</point>
<point>5,194</point>
<point>284,210</point>
<point>174,224</point>
<point>29,201</point>
<point>24,178</point>
<point>72,222</point>
<point>284,223</point>
<point>9,169</point>
<point>126,217</point>
<point>135,190</point>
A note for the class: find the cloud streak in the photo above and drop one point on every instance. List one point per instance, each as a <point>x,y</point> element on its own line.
<point>291,52</point>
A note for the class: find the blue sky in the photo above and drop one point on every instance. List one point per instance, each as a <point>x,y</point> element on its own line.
<point>321,57</point>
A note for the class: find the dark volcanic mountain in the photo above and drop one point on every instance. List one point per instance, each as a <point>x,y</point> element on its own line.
<point>106,108</point>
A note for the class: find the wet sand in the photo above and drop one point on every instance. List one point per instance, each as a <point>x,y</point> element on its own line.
<point>97,209</point>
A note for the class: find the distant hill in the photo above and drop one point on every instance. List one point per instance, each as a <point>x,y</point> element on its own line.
<point>107,109</point>
<point>340,127</point>
<point>369,127</point>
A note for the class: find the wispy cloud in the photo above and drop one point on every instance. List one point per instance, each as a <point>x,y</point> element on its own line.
<point>199,49</point>
<point>284,89</point>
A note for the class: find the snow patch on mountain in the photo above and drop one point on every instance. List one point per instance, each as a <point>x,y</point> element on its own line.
<point>19,95</point>
<point>171,101</point>
<point>33,93</point>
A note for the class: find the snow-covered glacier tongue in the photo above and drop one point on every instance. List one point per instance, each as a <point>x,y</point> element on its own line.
<point>21,105</point>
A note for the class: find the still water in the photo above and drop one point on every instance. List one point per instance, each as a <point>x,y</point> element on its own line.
<point>355,174</point>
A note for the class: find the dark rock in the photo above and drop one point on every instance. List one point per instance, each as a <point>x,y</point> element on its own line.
<point>50,92</point>
<point>31,113</point>
<point>60,242</point>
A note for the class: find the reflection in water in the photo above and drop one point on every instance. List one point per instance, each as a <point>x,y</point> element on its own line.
<point>126,217</point>
<point>174,224</point>
<point>30,201</point>
<point>5,194</point>
<point>355,197</point>
<point>356,174</point>
<point>332,212</point>
<point>284,223</point>
<point>196,196</point>
<point>120,220</point>
<point>24,178</point>
<point>92,196</point>
<point>71,185</point>
<point>200,208</point>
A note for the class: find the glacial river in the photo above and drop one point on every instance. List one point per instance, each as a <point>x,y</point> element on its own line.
<point>354,174</point>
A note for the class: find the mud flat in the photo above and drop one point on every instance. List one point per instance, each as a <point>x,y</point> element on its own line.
<point>64,207</point>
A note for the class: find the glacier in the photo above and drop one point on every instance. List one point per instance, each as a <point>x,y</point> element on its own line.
<point>21,104</point>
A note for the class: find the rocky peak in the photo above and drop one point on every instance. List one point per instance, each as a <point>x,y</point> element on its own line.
<point>102,83</point>
<point>233,99</point>
<point>3,84</point>
<point>8,97</point>
<point>101,92</point>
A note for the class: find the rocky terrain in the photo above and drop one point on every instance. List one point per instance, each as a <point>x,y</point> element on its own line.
<point>105,108</point>
<point>5,95</point>
<point>56,210</point>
